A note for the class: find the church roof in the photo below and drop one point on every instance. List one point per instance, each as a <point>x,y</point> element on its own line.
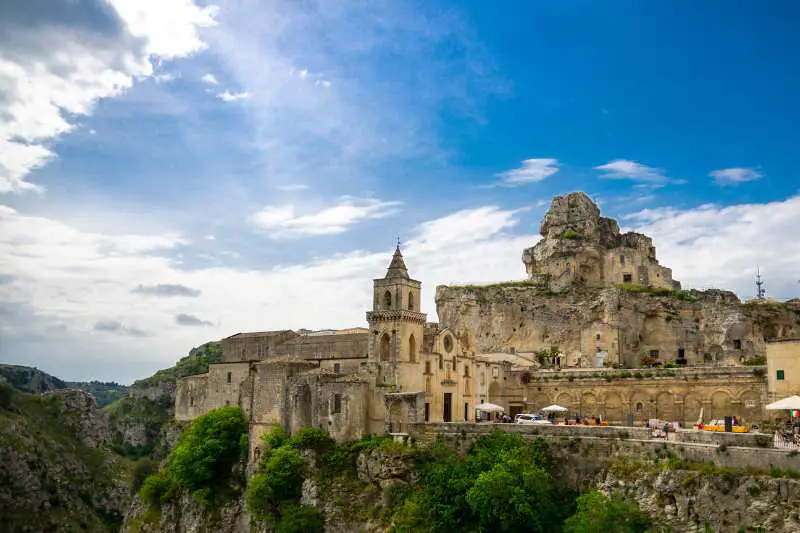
<point>397,268</point>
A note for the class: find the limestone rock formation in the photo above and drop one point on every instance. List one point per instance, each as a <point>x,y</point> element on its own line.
<point>581,247</point>
<point>79,412</point>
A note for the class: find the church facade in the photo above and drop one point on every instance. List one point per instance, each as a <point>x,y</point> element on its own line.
<point>399,370</point>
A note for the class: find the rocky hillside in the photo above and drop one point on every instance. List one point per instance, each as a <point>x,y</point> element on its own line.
<point>709,325</point>
<point>140,420</point>
<point>28,379</point>
<point>56,472</point>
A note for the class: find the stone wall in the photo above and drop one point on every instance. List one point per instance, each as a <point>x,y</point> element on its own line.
<point>600,446</point>
<point>190,397</point>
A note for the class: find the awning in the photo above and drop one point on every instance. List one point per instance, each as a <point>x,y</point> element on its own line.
<point>790,403</point>
<point>554,409</point>
<point>490,408</point>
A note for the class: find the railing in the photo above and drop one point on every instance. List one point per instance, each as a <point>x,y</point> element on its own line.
<point>786,440</point>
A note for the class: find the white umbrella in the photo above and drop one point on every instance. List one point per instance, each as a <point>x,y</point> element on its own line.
<point>792,402</point>
<point>489,408</point>
<point>554,409</point>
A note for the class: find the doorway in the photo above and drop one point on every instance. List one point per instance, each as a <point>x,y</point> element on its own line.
<point>447,415</point>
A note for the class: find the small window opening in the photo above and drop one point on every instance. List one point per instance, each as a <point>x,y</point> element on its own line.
<point>427,367</point>
<point>387,299</point>
<point>410,301</point>
<point>622,260</point>
<point>229,377</point>
<point>779,375</point>
<point>337,403</point>
<point>737,344</point>
<point>336,367</point>
<point>427,412</point>
<point>627,278</point>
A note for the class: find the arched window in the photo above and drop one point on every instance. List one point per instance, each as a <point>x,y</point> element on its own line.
<point>385,347</point>
<point>387,299</point>
<point>448,343</point>
<point>412,349</point>
<point>410,301</point>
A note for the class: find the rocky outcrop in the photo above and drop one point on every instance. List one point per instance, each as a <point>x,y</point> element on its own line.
<point>79,412</point>
<point>706,325</point>
<point>55,473</point>
<point>688,500</point>
<point>186,515</point>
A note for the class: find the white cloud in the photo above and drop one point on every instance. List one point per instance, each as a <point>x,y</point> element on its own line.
<point>735,176</point>
<point>290,187</point>
<point>51,72</point>
<point>531,171</point>
<point>209,79</point>
<point>170,27</point>
<point>712,246</point>
<point>624,169</point>
<point>283,222</point>
<point>164,77</point>
<point>228,96</point>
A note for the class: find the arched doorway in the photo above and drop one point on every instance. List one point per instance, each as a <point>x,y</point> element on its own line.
<point>494,393</point>
<point>613,408</point>
<point>588,406</point>
<point>720,405</point>
<point>385,341</point>
<point>412,349</point>
<point>642,407</point>
<point>398,417</point>
<point>565,400</point>
<point>692,404</point>
<point>665,406</point>
<point>750,408</point>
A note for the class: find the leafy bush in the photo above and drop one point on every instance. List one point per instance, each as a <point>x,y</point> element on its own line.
<point>157,489</point>
<point>275,438</point>
<point>597,513</point>
<point>756,361</point>
<point>298,518</point>
<point>310,438</point>
<point>571,234</point>
<point>6,396</point>
<point>280,479</point>
<point>143,469</point>
<point>204,458</point>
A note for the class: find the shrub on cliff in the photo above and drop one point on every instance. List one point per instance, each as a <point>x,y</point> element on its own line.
<point>204,458</point>
<point>310,438</point>
<point>597,513</point>
<point>279,480</point>
<point>6,396</point>
<point>298,518</point>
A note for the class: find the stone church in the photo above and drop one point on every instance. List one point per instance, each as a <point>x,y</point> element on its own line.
<point>599,327</point>
<point>401,369</point>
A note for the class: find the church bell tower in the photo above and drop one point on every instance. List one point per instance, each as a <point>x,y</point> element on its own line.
<point>395,322</point>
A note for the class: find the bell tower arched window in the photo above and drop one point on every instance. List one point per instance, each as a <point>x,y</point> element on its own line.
<point>385,347</point>
<point>387,299</point>
<point>410,301</point>
<point>412,349</point>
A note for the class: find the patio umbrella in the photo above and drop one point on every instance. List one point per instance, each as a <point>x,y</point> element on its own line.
<point>489,408</point>
<point>554,409</point>
<point>787,404</point>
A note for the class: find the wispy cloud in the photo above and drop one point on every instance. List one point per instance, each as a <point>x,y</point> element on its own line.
<point>735,176</point>
<point>209,79</point>
<point>49,78</point>
<point>625,169</point>
<point>290,187</point>
<point>112,326</point>
<point>227,96</point>
<point>531,171</point>
<point>167,290</point>
<point>283,222</point>
<point>190,320</point>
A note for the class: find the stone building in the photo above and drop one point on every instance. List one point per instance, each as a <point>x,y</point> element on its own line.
<point>783,368</point>
<point>597,304</point>
<point>400,370</point>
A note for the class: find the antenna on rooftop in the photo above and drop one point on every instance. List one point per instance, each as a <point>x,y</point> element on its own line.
<point>760,291</point>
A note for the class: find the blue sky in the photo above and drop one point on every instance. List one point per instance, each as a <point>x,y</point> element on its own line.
<point>181,170</point>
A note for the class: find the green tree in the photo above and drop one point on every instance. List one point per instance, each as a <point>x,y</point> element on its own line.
<point>597,513</point>
<point>280,480</point>
<point>208,450</point>
<point>297,518</point>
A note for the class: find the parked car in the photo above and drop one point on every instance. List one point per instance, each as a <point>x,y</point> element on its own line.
<point>531,419</point>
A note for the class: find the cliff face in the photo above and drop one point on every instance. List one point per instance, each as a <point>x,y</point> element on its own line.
<point>55,472</point>
<point>707,326</point>
<point>689,500</point>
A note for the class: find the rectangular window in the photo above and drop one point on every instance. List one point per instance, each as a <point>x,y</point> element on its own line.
<point>427,367</point>
<point>337,403</point>
<point>336,367</point>
<point>737,344</point>
<point>466,412</point>
<point>627,278</point>
<point>654,354</point>
<point>622,260</point>
<point>441,362</point>
<point>779,375</point>
<point>229,377</point>
<point>427,412</point>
